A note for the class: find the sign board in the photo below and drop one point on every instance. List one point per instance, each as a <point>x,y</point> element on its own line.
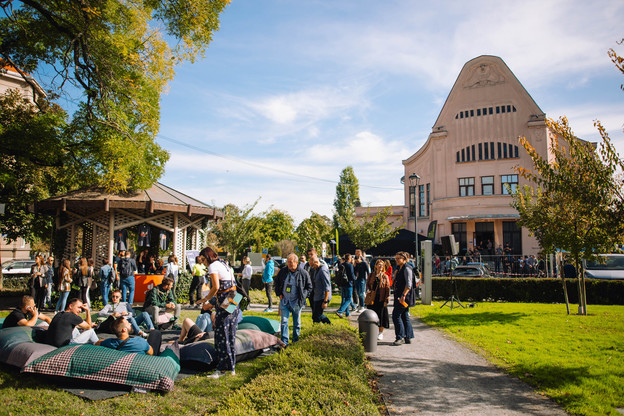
<point>190,257</point>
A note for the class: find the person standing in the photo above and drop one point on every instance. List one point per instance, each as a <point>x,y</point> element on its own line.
<point>49,277</point>
<point>321,289</point>
<point>346,290</point>
<point>39,284</point>
<point>379,283</point>
<point>246,274</point>
<point>223,286</point>
<point>64,285</point>
<point>403,281</point>
<point>361,274</point>
<point>199,273</point>
<point>127,270</point>
<point>293,286</point>
<point>107,275</point>
<point>267,279</point>
<point>173,271</point>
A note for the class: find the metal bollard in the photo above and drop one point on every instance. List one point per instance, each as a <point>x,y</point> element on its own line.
<point>368,325</point>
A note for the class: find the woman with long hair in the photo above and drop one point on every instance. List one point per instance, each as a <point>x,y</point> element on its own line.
<point>64,285</point>
<point>39,282</point>
<point>389,270</point>
<point>379,283</point>
<point>173,270</point>
<point>84,280</point>
<point>223,286</point>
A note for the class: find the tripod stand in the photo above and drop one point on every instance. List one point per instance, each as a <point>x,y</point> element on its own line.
<point>454,296</point>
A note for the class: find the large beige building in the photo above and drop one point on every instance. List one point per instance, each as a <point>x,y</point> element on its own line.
<point>468,162</point>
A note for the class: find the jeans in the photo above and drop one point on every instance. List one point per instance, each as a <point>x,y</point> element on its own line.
<point>127,284</point>
<point>60,305</point>
<point>268,288</point>
<point>105,291</point>
<point>246,285</point>
<point>48,297</point>
<point>286,309</point>
<point>86,337</point>
<point>204,322</point>
<point>346,292</point>
<point>318,314</point>
<point>140,319</point>
<point>360,288</point>
<point>402,324</point>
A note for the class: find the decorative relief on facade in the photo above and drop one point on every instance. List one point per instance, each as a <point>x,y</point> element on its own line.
<point>484,75</point>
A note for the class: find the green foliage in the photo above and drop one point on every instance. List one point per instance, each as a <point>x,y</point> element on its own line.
<point>604,292</point>
<point>237,228</point>
<point>313,231</point>
<point>372,231</point>
<point>584,374</point>
<point>274,226</point>
<point>182,287</point>
<point>347,198</point>
<point>115,58</point>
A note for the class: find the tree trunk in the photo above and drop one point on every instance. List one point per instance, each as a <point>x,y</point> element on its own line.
<point>559,260</point>
<point>583,290</point>
<point>580,280</point>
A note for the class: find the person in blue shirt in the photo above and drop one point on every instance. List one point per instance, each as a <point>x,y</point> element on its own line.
<point>346,291</point>
<point>293,285</point>
<point>267,279</point>
<point>124,342</point>
<point>107,276</point>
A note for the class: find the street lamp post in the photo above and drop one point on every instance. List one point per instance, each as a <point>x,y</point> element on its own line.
<point>414,180</point>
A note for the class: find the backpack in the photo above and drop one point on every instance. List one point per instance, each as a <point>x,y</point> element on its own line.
<point>340,276</point>
<point>125,269</point>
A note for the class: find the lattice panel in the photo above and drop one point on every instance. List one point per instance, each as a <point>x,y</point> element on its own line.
<point>166,221</point>
<point>87,240</point>
<point>180,248</point>
<point>122,218</point>
<point>101,245</point>
<point>67,251</point>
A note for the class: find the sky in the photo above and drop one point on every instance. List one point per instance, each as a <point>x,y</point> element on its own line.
<point>290,92</point>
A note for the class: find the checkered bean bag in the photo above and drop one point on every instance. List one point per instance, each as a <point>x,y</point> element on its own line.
<point>90,362</point>
<point>270,326</point>
<point>249,344</point>
<point>18,348</point>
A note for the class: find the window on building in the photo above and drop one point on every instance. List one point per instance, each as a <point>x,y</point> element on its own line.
<point>421,201</point>
<point>511,180</point>
<point>500,155</point>
<point>480,151</point>
<point>466,186</point>
<point>412,205</point>
<point>492,150</point>
<point>458,156</point>
<point>471,113</point>
<point>497,110</point>
<point>504,150</point>
<point>487,185</point>
<point>491,110</point>
<point>463,155</point>
<point>428,198</point>
<point>486,152</point>
<point>478,112</point>
<point>474,155</point>
<point>509,109</point>
<point>515,151</point>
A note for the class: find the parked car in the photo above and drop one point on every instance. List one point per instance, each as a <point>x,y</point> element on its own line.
<point>17,267</point>
<point>473,270</point>
<point>611,268</point>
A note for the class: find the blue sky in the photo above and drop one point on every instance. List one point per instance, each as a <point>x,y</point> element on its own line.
<point>290,92</point>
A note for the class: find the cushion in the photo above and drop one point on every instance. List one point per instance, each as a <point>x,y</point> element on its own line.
<point>26,352</point>
<point>249,344</point>
<point>91,362</point>
<point>10,337</point>
<point>270,326</point>
<point>248,325</point>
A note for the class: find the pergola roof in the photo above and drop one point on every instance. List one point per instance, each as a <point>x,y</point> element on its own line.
<point>157,198</point>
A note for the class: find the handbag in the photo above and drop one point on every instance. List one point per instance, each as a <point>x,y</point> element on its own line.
<point>370,298</point>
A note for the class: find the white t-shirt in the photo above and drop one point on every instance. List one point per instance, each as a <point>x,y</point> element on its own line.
<point>224,272</point>
<point>247,271</point>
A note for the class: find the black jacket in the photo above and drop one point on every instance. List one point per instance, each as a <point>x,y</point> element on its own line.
<point>302,279</point>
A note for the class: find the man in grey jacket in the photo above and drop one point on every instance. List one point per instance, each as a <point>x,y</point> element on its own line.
<point>292,285</point>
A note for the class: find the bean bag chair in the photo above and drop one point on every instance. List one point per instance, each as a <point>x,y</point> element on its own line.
<point>96,363</point>
<point>270,326</point>
<point>17,347</point>
<point>249,344</point>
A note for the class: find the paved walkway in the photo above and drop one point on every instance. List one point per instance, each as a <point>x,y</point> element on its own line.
<point>435,375</point>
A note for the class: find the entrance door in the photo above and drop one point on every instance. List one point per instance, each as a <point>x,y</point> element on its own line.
<point>484,238</point>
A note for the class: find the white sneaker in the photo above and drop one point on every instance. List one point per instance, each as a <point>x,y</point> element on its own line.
<point>216,374</point>
<point>380,337</point>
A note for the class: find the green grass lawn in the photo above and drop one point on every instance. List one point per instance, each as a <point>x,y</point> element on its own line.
<point>578,361</point>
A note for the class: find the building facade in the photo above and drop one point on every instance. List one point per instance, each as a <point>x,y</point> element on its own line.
<point>467,167</point>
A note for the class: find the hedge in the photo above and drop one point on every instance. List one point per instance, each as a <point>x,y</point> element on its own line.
<point>599,292</point>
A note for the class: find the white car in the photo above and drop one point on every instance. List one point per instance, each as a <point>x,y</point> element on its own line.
<point>17,267</point>
<point>612,268</point>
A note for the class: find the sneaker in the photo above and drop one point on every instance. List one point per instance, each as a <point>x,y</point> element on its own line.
<point>339,315</point>
<point>362,309</point>
<point>268,310</point>
<point>380,337</point>
<point>216,374</point>
<point>176,327</point>
<point>408,341</point>
<point>143,335</point>
<point>399,341</point>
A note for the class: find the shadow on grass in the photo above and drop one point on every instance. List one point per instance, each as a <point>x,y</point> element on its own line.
<point>452,319</point>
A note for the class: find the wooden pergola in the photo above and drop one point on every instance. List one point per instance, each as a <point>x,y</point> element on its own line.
<point>99,215</point>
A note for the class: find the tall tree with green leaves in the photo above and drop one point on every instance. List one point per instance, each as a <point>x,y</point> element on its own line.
<point>113,58</point>
<point>347,198</point>
<point>275,225</point>
<point>579,204</point>
<point>313,231</point>
<point>237,228</point>
<point>371,231</point>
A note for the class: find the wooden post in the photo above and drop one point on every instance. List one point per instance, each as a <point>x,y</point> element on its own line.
<point>111,235</point>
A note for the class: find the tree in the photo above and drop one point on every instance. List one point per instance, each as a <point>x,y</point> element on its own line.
<point>275,225</point>
<point>236,229</point>
<point>313,231</point>
<point>347,198</point>
<point>579,204</point>
<point>373,231</point>
<point>117,58</point>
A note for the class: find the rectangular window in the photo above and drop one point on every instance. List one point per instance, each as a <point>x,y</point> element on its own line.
<point>487,153</point>
<point>500,155</point>
<point>504,150</point>
<point>492,150</point>
<point>412,206</point>
<point>491,110</point>
<point>458,156</point>
<point>463,155</point>
<point>487,185</point>
<point>421,200</point>
<point>466,186</point>
<point>515,151</point>
<point>461,114</point>
<point>484,110</point>
<point>459,232</point>
<point>428,198</point>
<point>478,112</point>
<point>502,108</point>
<point>480,151</point>
<point>497,110</point>
<point>509,180</point>
<point>512,237</point>
<point>509,109</point>
<point>474,155</point>
<point>471,113</point>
